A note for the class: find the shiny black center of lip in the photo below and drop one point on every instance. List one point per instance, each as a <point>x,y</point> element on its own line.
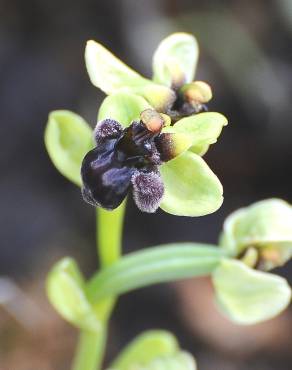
<point>107,169</point>
<point>136,145</point>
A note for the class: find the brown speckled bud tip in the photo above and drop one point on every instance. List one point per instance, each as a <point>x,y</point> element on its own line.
<point>152,120</point>
<point>170,145</point>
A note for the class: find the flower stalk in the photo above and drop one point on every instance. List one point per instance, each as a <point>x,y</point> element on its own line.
<point>91,346</point>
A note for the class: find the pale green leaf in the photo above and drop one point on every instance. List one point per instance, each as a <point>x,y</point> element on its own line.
<point>175,60</point>
<point>248,296</point>
<point>123,107</point>
<point>191,188</point>
<point>68,138</point>
<point>203,129</point>
<point>66,292</point>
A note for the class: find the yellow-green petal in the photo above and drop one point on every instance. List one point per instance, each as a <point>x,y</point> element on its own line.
<point>68,138</point>
<point>123,107</point>
<point>175,60</point>
<point>191,188</point>
<point>248,296</point>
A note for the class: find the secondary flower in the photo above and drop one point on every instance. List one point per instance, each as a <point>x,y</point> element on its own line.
<point>258,237</point>
<point>260,234</point>
<point>172,90</point>
<point>128,158</point>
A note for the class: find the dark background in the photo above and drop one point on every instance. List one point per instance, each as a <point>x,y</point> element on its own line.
<point>246,57</point>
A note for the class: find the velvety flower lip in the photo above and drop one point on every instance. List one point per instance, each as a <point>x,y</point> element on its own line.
<point>127,141</point>
<point>127,159</point>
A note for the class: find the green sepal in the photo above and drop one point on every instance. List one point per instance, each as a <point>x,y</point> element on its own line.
<point>111,75</point>
<point>248,296</point>
<point>203,129</point>
<point>191,188</point>
<point>265,225</point>
<point>107,72</point>
<point>175,60</point>
<point>154,349</point>
<point>68,138</point>
<point>66,292</point>
<point>123,107</point>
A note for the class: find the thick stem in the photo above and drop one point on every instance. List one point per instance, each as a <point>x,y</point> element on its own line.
<point>91,346</point>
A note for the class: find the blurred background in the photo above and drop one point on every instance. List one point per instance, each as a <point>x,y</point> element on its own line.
<point>246,57</point>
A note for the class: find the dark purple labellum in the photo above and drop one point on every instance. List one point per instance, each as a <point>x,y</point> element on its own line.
<point>107,170</point>
<point>106,180</point>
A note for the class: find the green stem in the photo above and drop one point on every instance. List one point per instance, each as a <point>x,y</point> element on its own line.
<point>109,234</point>
<point>154,265</point>
<point>91,346</point>
<point>90,350</point>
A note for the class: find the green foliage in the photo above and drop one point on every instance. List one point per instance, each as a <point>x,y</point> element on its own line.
<point>145,348</point>
<point>68,138</point>
<point>66,292</point>
<point>248,296</point>
<point>179,361</point>
<point>154,265</point>
<point>154,350</point>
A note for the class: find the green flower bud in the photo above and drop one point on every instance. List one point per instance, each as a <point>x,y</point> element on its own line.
<point>266,227</point>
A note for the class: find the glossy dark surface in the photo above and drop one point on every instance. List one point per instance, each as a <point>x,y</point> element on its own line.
<point>107,169</point>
